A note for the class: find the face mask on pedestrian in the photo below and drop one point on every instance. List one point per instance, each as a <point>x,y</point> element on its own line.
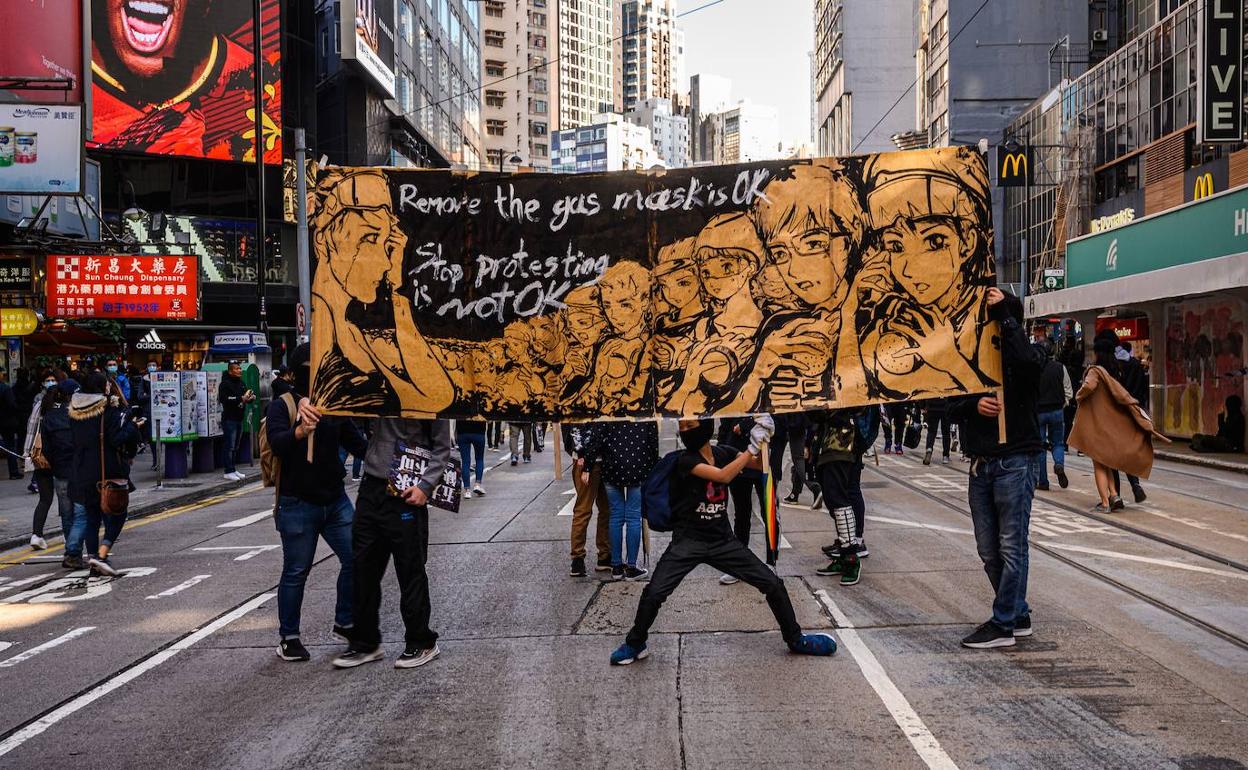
<point>112,368</point>
<point>49,384</point>
<point>151,368</point>
<point>696,438</point>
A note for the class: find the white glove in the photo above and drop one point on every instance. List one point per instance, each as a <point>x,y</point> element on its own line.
<point>764,428</point>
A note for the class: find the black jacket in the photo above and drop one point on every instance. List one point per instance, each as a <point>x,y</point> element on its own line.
<point>121,441</point>
<point>626,451</point>
<point>577,437</point>
<point>1132,375</point>
<point>230,394</point>
<point>318,482</point>
<point>58,441</point>
<point>1021,367</point>
<point>10,412</point>
<point>1051,394</point>
<point>280,387</point>
<point>727,437</point>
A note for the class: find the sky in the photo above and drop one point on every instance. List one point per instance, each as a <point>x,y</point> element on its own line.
<point>762,47</point>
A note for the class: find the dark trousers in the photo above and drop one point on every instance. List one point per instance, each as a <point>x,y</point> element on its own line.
<point>779,440</point>
<point>744,487</point>
<point>1134,481</point>
<point>232,433</point>
<point>725,555</point>
<point>938,421</point>
<point>898,415</point>
<point>842,488</point>
<point>8,439</point>
<point>385,526</point>
<point>493,433</point>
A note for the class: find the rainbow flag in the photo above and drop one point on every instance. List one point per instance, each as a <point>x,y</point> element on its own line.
<point>771,511</point>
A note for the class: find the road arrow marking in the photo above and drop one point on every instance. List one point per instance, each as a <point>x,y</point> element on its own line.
<point>247,521</point>
<point>181,587</point>
<point>251,550</point>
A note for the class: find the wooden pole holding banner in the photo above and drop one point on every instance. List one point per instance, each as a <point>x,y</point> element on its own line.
<point>1001,435</point>
<point>558,451</point>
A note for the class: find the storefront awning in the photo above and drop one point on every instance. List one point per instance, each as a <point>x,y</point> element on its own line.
<point>1203,277</point>
<point>69,341</point>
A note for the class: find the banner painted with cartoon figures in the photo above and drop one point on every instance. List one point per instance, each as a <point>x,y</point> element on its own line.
<point>724,290</point>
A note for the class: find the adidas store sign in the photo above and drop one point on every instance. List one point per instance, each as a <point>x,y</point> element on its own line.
<point>151,341</point>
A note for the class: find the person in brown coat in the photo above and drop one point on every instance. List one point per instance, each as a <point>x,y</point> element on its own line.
<point>1112,428</point>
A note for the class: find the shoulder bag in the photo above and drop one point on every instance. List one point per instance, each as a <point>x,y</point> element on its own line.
<point>114,493</point>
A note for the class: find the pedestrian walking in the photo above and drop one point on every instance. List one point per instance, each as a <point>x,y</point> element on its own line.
<point>233,396</point>
<point>1002,485</point>
<point>493,434</point>
<point>701,534</point>
<point>1111,428</point>
<point>52,451</point>
<point>105,440</point>
<point>144,401</point>
<point>626,451</point>
<point>516,430</point>
<point>388,523</point>
<point>312,503</point>
<point>936,414</point>
<point>1134,378</point>
<point>843,435</point>
<point>1054,393</point>
<point>590,491</point>
<point>796,425</point>
<point>898,416</point>
<point>745,487</point>
<point>471,437</point>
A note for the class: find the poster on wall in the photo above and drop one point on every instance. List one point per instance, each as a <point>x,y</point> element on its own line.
<point>367,37</point>
<point>41,149</point>
<point>176,78</point>
<point>130,286</point>
<point>70,216</point>
<point>201,402</point>
<point>1204,363</point>
<point>43,39</point>
<point>190,403</point>
<point>166,406</point>
<point>213,385</point>
<point>728,290</point>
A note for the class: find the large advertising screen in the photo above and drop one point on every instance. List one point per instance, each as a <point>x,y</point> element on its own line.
<point>42,39</point>
<point>175,77</point>
<point>41,149</point>
<point>368,38</point>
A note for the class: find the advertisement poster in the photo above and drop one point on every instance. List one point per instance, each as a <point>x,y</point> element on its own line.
<point>213,385</point>
<point>176,78</point>
<point>190,404</point>
<point>201,402</point>
<point>166,406</point>
<point>368,38</point>
<point>43,39</point>
<point>41,149</point>
<point>69,215</point>
<point>124,287</point>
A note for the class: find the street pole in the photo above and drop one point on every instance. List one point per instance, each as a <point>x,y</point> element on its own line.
<point>301,233</point>
<point>262,324</point>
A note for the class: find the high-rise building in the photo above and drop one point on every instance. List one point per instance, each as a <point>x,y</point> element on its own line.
<point>708,94</point>
<point>668,131</point>
<point>863,60</point>
<point>585,60</point>
<point>610,143</point>
<point>744,133</point>
<point>649,52</point>
<point>520,88</point>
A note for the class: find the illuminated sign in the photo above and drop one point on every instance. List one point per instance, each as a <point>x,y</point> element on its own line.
<point>17,321</point>
<point>123,287</point>
<point>1013,167</point>
<point>1117,219</point>
<point>1221,78</point>
<point>41,149</point>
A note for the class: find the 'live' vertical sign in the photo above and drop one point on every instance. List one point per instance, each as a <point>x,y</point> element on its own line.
<point>1221,117</point>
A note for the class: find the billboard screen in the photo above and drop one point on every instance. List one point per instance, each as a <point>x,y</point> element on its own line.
<point>368,38</point>
<point>43,39</point>
<point>41,149</point>
<point>174,77</point>
<point>69,216</point>
<point>124,287</point>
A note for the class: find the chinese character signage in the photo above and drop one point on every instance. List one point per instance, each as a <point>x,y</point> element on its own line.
<point>15,274</point>
<point>124,287</point>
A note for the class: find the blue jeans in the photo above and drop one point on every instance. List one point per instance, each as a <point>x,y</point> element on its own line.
<point>232,430</point>
<point>1053,431</point>
<point>468,442</point>
<point>85,529</point>
<point>625,510</point>
<point>1000,495</point>
<point>300,525</point>
<point>357,463</point>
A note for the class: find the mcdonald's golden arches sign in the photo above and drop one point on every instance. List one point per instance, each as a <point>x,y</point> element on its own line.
<point>1203,186</point>
<point>1014,166</point>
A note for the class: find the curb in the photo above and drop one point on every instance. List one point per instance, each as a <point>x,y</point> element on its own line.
<point>1204,462</point>
<point>142,511</point>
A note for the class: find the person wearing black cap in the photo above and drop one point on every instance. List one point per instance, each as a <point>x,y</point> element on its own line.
<point>283,381</point>
<point>1002,480</point>
<point>312,502</point>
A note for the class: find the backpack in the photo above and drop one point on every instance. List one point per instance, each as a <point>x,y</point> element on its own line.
<point>656,493</point>
<point>868,424</point>
<point>270,463</point>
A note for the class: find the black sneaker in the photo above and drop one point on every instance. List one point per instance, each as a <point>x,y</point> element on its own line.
<point>1116,504</point>
<point>578,568</point>
<point>927,457</point>
<point>292,650</point>
<point>987,636</point>
<point>1138,492</point>
<point>73,562</point>
<point>1060,472</point>
<point>514,461</point>
<point>861,549</point>
<point>354,657</point>
<point>1042,486</point>
<point>635,573</point>
<point>414,657</point>
<point>617,572</point>
<point>832,551</point>
<point>818,501</point>
<point>343,633</point>
<point>791,499</point>
<point>602,565</point>
<point>1022,626</point>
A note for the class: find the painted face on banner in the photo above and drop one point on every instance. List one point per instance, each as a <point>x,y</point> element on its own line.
<point>583,316</point>
<point>927,255</point>
<point>623,291</point>
<point>367,242</point>
<point>677,278</point>
<point>724,272</point>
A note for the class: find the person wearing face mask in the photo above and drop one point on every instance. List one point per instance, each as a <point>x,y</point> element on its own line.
<point>117,375</point>
<point>701,534</point>
<point>143,388</point>
<point>52,457</point>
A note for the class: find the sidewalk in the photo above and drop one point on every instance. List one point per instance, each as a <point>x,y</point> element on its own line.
<point>1181,452</point>
<point>17,504</point>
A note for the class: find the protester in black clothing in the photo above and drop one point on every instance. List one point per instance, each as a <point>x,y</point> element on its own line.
<point>842,438</point>
<point>936,411</point>
<point>10,419</point>
<point>895,432</point>
<point>390,523</point>
<point>1002,484</point>
<point>734,432</point>
<point>312,503</point>
<point>701,535</point>
<point>234,397</point>
<point>283,381</point>
<point>1071,357</point>
<point>796,426</point>
<point>1230,435</point>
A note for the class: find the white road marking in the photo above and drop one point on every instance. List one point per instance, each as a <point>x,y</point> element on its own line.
<point>33,651</point>
<point>1193,523</point>
<point>64,589</point>
<point>247,521</point>
<point>1147,560</point>
<point>912,726</point>
<point>26,581</point>
<point>77,704</point>
<point>5,645</point>
<point>251,550</point>
<point>181,587</point>
<point>566,510</point>
<point>921,525</point>
<point>569,491</point>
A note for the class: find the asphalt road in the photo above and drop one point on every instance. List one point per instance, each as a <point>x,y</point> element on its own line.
<point>1140,656</point>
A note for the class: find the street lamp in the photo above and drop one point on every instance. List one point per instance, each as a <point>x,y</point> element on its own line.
<point>513,159</point>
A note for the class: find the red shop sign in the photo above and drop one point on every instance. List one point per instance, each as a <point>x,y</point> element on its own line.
<point>1124,328</point>
<point>124,287</point>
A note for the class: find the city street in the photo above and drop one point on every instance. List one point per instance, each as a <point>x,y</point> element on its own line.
<point>1139,658</point>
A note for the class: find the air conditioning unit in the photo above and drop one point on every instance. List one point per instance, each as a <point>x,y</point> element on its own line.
<point>1100,36</point>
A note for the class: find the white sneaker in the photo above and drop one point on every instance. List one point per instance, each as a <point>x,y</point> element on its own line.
<point>38,543</point>
<point>240,476</point>
<point>479,491</point>
<point>230,477</point>
<point>727,580</point>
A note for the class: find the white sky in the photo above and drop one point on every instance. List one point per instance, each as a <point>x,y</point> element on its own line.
<point>762,47</point>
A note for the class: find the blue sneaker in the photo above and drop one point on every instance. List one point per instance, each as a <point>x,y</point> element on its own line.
<point>627,653</point>
<point>814,644</point>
